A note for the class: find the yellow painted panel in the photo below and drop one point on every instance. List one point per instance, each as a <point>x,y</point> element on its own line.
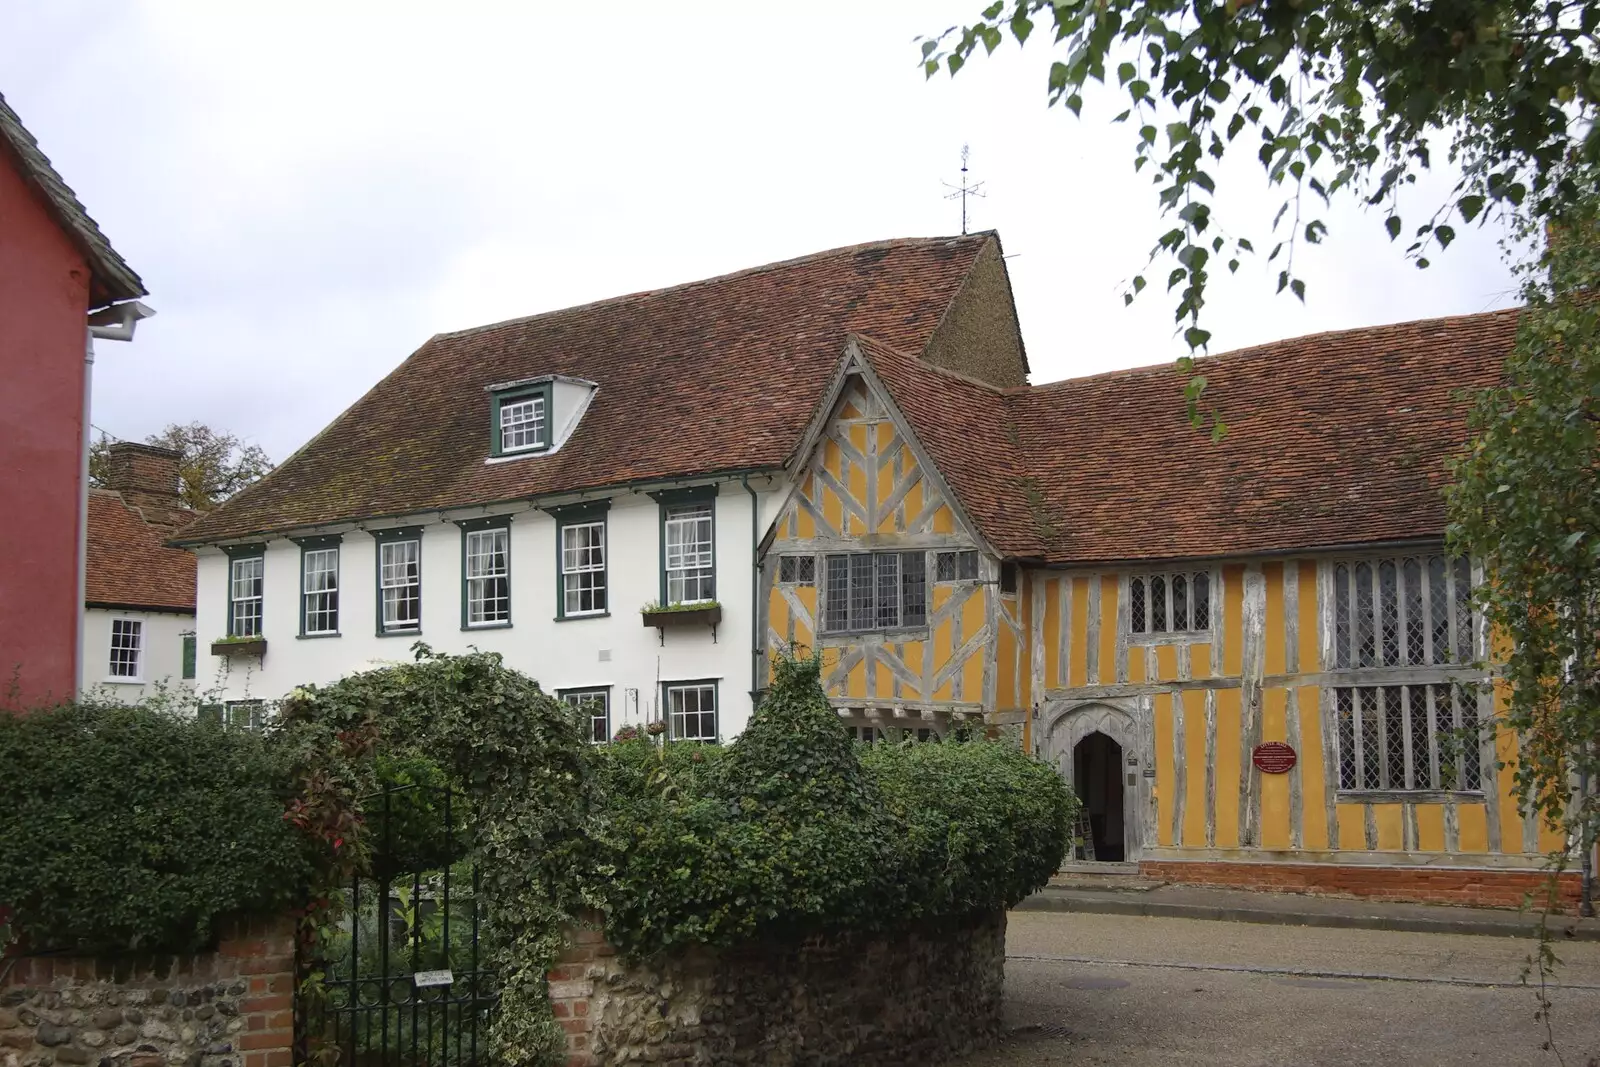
<point>856,682</point>
<point>805,526</point>
<point>1391,829</point>
<point>1227,768</point>
<point>972,670</point>
<point>883,681</point>
<point>858,437</point>
<point>1165,771</point>
<point>1311,769</point>
<point>1005,653</point>
<point>1023,656</point>
<point>1135,665</point>
<point>832,509</point>
<point>1166,662</point>
<point>1310,649</point>
<point>1078,652</point>
<point>1051,591</point>
<point>1199,659</point>
<point>1352,826</point>
<point>807,595</point>
<point>914,652</point>
<point>830,660</point>
<point>1272,642</point>
<point>942,639</point>
<point>1108,629</point>
<point>1233,614</point>
<point>1474,820</point>
<point>778,613</point>
<point>1274,787</point>
<point>1430,827</point>
<point>848,410</point>
<point>944,521</point>
<point>832,457</point>
<point>914,499</point>
<point>1505,744</point>
<point>1550,839</point>
<point>1194,766</point>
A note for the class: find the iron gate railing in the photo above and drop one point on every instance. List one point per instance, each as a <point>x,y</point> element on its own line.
<point>400,983</point>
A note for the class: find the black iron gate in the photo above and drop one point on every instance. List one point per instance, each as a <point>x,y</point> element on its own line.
<point>399,983</point>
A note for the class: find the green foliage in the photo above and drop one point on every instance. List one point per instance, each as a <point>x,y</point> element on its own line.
<point>125,828</point>
<point>1526,502</point>
<point>981,825</point>
<point>792,829</point>
<point>212,465</point>
<point>1333,97</point>
<point>515,750</point>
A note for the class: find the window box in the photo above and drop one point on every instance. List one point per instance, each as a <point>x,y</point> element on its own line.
<point>662,617</point>
<point>239,646</point>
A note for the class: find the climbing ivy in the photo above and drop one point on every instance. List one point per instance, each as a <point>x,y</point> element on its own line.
<point>794,828</point>
<point>514,749</point>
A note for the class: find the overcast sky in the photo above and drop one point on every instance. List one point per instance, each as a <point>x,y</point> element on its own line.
<point>311,190</point>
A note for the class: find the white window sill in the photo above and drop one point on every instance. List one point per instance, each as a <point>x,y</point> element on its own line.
<point>123,681</point>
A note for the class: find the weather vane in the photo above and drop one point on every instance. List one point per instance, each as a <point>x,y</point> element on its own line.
<point>964,190</point>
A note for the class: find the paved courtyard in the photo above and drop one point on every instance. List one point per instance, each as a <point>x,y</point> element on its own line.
<point>1141,992</point>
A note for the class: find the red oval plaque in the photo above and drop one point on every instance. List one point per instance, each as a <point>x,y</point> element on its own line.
<point>1273,757</point>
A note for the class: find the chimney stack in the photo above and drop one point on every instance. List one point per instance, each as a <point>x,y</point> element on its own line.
<point>147,478</point>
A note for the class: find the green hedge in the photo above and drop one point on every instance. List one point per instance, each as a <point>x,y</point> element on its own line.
<point>134,829</point>
<point>796,828</point>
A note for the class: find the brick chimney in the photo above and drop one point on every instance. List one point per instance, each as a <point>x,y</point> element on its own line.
<point>147,478</point>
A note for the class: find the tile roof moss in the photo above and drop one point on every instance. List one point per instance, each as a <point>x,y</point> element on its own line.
<point>703,378</point>
<point>128,565</point>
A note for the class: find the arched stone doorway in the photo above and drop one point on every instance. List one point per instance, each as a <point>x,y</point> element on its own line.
<point>1101,752</point>
<point>1097,777</point>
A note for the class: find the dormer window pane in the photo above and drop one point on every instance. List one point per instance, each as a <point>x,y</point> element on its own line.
<point>522,424</point>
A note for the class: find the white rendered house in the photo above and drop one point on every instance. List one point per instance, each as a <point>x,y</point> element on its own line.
<point>584,491</point>
<point>138,627</point>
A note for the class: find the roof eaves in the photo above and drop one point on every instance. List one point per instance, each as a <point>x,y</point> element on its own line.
<point>117,280</point>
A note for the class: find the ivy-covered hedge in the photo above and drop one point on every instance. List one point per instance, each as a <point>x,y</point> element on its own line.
<point>135,829</point>
<point>796,828</point>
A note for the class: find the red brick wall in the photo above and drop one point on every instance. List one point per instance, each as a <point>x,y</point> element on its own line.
<point>44,296</point>
<point>241,995</point>
<point>1423,885</point>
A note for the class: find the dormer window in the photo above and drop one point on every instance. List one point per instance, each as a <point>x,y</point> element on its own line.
<point>522,418</point>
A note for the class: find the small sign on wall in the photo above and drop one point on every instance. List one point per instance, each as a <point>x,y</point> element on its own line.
<point>1273,757</point>
<point>424,979</point>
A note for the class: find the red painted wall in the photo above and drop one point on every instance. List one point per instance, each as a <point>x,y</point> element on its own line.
<point>44,297</point>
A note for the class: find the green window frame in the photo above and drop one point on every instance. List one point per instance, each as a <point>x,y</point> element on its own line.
<point>190,653</point>
<point>583,566</point>
<point>245,610</point>
<point>686,718</point>
<point>522,418</point>
<point>688,572</point>
<point>478,552</point>
<point>319,585</point>
<point>397,562</point>
<point>596,700</point>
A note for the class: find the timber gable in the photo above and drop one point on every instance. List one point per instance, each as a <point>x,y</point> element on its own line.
<point>862,484</point>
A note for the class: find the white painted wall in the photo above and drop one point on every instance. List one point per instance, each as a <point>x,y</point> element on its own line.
<point>616,650</point>
<point>161,660</point>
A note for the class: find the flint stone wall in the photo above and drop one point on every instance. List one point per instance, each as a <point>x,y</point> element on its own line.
<point>232,1007</point>
<point>923,996</point>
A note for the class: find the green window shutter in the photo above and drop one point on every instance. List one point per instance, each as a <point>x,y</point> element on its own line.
<point>188,656</point>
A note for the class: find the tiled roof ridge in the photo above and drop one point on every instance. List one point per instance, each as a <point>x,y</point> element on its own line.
<point>922,364</point>
<point>717,279</point>
<point>1265,348</point>
<point>120,280</point>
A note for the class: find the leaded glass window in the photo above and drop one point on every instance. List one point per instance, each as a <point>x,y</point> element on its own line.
<point>1409,611</point>
<point>1169,603</point>
<point>1408,737</point>
<point>875,591</point>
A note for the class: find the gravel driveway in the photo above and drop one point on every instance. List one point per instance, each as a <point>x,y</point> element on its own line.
<point>1090,989</point>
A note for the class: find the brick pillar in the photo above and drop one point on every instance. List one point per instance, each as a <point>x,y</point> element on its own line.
<point>572,987</point>
<point>261,953</point>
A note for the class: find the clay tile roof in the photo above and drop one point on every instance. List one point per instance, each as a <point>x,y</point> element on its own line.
<point>128,564</point>
<point>710,377</point>
<point>114,279</point>
<point>1333,439</point>
<point>966,426</point>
